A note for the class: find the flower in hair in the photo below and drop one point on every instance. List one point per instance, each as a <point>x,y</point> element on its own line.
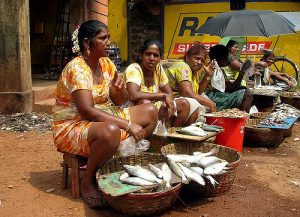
<point>75,48</point>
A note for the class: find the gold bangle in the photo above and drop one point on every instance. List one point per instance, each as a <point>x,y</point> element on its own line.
<point>128,126</point>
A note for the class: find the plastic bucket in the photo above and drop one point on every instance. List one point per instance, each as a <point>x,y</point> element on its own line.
<point>233,134</point>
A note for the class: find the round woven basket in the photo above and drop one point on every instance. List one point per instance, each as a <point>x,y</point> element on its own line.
<point>264,137</point>
<point>289,98</point>
<point>263,115</point>
<point>260,115</point>
<point>225,180</point>
<point>136,204</point>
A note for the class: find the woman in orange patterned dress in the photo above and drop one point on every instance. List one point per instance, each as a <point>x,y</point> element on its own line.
<point>88,118</point>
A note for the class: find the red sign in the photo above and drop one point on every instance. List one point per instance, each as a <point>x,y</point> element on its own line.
<point>253,47</point>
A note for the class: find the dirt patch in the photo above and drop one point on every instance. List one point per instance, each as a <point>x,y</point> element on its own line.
<point>30,183</point>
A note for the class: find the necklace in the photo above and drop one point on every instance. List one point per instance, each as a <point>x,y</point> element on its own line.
<point>97,75</point>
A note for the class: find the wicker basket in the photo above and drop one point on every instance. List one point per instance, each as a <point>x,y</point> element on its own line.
<point>263,115</point>
<point>259,115</point>
<point>225,180</point>
<point>136,204</point>
<point>264,137</point>
<point>156,142</point>
<point>288,98</point>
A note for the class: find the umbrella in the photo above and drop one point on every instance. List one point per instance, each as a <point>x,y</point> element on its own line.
<point>247,23</point>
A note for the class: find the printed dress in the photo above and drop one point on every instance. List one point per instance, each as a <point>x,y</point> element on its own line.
<point>70,130</point>
<point>134,73</point>
<point>181,71</point>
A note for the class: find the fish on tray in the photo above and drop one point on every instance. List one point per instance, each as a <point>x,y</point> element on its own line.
<point>192,131</point>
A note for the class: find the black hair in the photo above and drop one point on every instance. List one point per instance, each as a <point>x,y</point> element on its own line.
<point>196,48</point>
<point>267,54</point>
<point>150,42</point>
<point>231,43</point>
<point>89,29</point>
<point>218,52</point>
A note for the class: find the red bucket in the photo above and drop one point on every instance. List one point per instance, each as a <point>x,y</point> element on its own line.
<point>233,134</point>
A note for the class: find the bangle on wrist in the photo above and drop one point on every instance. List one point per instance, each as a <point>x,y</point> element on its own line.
<point>128,126</point>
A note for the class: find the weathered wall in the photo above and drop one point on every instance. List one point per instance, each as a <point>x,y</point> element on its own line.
<point>15,71</point>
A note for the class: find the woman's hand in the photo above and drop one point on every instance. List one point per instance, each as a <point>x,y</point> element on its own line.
<point>210,68</point>
<point>212,106</point>
<point>170,105</point>
<point>137,132</point>
<point>262,64</point>
<point>118,82</point>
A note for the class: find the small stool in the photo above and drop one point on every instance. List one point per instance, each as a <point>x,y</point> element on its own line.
<point>74,162</point>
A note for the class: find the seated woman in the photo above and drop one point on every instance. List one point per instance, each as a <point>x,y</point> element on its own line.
<point>268,76</point>
<point>185,78</point>
<point>147,82</point>
<point>235,64</point>
<point>87,119</point>
<point>234,96</point>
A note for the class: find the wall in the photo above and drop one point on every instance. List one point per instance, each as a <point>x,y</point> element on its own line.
<point>117,23</point>
<point>198,13</point>
<point>15,74</point>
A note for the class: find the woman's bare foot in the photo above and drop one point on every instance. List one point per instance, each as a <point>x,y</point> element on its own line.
<point>90,194</point>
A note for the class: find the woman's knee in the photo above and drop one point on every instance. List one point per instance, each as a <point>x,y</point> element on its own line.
<point>182,105</point>
<point>107,133</point>
<point>152,111</point>
<point>143,101</point>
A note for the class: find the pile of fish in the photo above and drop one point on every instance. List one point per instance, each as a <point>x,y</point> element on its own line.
<point>232,113</point>
<point>197,167</point>
<point>281,112</point>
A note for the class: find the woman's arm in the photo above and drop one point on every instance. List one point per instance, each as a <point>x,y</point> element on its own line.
<point>209,70</point>
<point>186,90</point>
<point>135,94</point>
<point>281,77</point>
<point>85,105</point>
<point>233,86</point>
<point>117,91</point>
<point>235,65</point>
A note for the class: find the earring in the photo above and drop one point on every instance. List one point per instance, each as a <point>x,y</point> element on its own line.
<point>88,51</point>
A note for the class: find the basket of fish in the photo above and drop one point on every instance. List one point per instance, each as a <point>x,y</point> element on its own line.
<point>207,169</point>
<point>259,115</point>
<point>135,185</point>
<point>264,137</point>
<point>291,98</point>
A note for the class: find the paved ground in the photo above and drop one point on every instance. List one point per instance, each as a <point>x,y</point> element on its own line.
<point>31,177</point>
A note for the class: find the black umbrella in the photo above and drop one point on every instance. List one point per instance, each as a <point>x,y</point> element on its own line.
<point>247,23</point>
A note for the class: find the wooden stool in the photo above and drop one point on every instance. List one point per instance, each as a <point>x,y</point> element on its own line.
<point>74,162</point>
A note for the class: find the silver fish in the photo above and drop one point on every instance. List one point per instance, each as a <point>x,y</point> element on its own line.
<point>178,157</point>
<point>192,131</point>
<point>206,161</point>
<point>167,174</point>
<point>178,172</point>
<point>198,170</point>
<point>156,171</point>
<point>186,164</point>
<point>136,181</point>
<point>124,175</point>
<point>213,151</point>
<point>142,173</point>
<point>212,180</point>
<point>192,175</point>
<point>215,168</point>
